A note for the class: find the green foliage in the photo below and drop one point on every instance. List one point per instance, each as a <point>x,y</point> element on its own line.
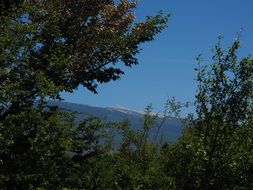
<point>44,149</point>
<point>51,46</point>
<point>215,151</point>
<point>135,164</point>
<point>8,6</point>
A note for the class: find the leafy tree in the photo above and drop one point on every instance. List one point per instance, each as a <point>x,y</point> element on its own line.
<point>51,46</point>
<point>46,150</point>
<point>7,6</point>
<point>135,164</point>
<point>216,149</point>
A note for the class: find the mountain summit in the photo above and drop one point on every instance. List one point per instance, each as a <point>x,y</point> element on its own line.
<point>170,131</point>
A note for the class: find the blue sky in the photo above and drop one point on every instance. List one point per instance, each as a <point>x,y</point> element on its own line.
<point>167,64</point>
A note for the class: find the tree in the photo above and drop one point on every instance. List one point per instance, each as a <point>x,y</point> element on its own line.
<point>224,107</point>
<point>216,149</point>
<point>47,150</point>
<point>135,162</point>
<point>51,46</point>
<point>7,6</point>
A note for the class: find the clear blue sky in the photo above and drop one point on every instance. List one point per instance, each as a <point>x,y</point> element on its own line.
<point>167,64</point>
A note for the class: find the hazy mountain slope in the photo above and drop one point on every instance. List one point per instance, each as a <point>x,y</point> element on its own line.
<point>170,131</point>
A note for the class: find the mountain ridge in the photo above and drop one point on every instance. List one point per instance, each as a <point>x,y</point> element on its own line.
<point>170,131</point>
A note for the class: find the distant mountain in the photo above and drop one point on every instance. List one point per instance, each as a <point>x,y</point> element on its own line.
<point>170,131</point>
